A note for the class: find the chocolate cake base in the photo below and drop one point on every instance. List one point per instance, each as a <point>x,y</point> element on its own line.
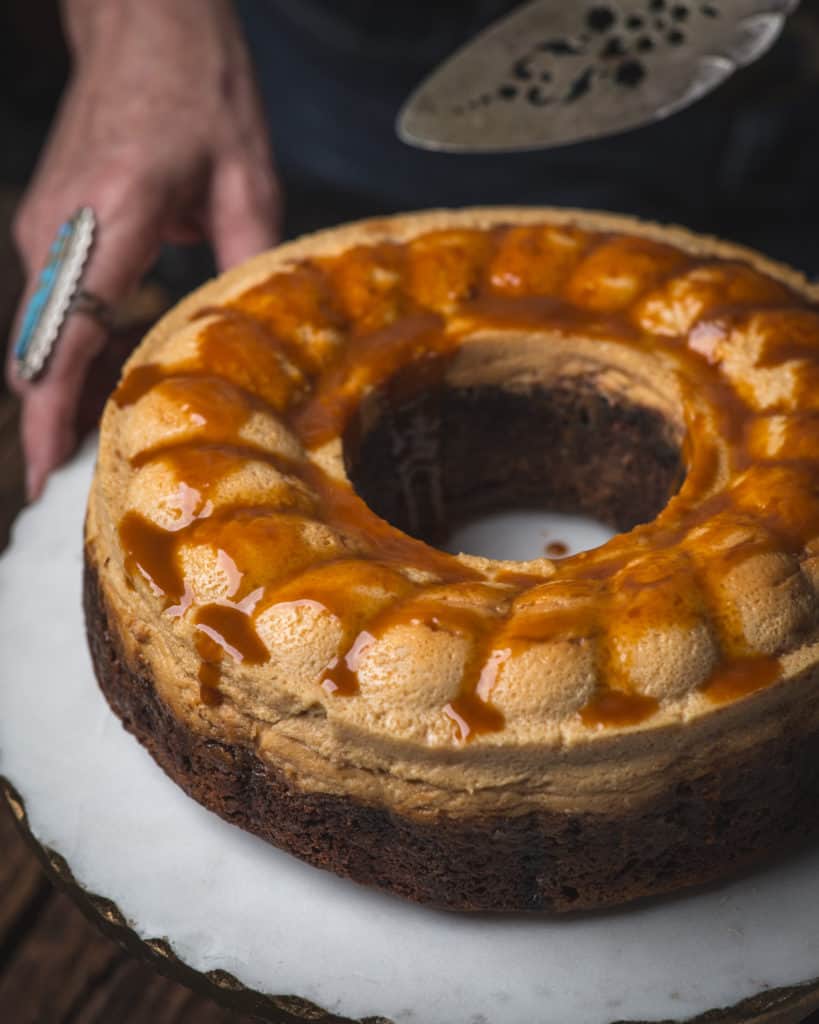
<point>433,456</point>
<point>702,829</point>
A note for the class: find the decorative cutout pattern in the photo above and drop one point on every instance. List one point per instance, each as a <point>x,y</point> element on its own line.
<point>610,47</point>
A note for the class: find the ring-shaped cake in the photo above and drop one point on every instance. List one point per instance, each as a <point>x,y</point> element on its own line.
<point>267,612</point>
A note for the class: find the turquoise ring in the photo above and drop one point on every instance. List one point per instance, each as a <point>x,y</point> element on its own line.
<point>57,294</point>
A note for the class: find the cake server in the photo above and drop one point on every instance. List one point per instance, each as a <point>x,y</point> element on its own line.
<point>557,71</point>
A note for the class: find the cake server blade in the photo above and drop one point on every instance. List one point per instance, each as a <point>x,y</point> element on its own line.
<point>555,72</point>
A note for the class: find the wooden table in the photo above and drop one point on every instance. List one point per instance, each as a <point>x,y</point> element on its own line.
<point>57,968</point>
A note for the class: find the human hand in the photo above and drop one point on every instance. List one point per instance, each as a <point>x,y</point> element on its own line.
<point>161,132</point>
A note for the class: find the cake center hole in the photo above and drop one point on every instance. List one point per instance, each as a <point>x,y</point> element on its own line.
<point>510,474</point>
<point>523,534</point>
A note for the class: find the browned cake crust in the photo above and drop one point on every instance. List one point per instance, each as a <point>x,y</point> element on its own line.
<point>731,817</point>
<point>271,614</point>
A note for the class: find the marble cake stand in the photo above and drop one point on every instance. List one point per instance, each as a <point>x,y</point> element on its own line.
<point>264,933</point>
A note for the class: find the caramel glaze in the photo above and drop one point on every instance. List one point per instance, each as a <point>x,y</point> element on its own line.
<point>277,349</point>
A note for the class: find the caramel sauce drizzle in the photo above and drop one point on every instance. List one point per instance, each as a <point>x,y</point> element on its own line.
<point>341,506</point>
<point>151,550</point>
<point>338,392</point>
<point>230,628</point>
<point>210,669</point>
<point>223,630</point>
<point>313,341</point>
<point>471,711</point>
<point>613,707</point>
<point>341,673</point>
<point>742,676</point>
<point>137,382</point>
<point>356,593</point>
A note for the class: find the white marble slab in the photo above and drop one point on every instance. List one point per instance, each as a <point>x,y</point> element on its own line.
<point>226,900</point>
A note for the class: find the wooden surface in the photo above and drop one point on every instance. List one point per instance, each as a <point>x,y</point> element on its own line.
<point>56,967</point>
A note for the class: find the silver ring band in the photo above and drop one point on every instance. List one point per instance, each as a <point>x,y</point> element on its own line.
<point>93,306</point>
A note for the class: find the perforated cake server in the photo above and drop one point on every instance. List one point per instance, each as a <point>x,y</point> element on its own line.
<point>560,71</point>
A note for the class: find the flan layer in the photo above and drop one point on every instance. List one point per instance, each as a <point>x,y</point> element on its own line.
<point>275,611</point>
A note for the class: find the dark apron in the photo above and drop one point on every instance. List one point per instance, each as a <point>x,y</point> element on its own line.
<point>742,163</point>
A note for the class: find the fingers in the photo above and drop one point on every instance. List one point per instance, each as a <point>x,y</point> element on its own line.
<point>126,244</point>
<point>244,211</point>
<point>133,218</point>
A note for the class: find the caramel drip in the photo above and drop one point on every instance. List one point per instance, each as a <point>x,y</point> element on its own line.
<point>471,716</point>
<point>807,385</point>
<point>742,676</point>
<point>316,339</point>
<point>536,259</point>
<point>232,349</point>
<point>557,549</point>
<point>246,355</point>
<point>138,382</point>
<point>367,283</point>
<point>367,361</point>
<point>151,551</point>
<point>202,465</point>
<point>586,616</point>
<point>213,406</point>
<point>796,336</point>
<point>342,507</point>
<point>230,627</point>
<point>210,671</point>
<point>237,325</point>
<point>299,309</point>
<point>340,676</point>
<point>702,475</point>
<point>535,626</point>
<point>224,629</point>
<point>611,707</point>
<point>470,711</point>
<point>539,311</point>
<point>356,593</point>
